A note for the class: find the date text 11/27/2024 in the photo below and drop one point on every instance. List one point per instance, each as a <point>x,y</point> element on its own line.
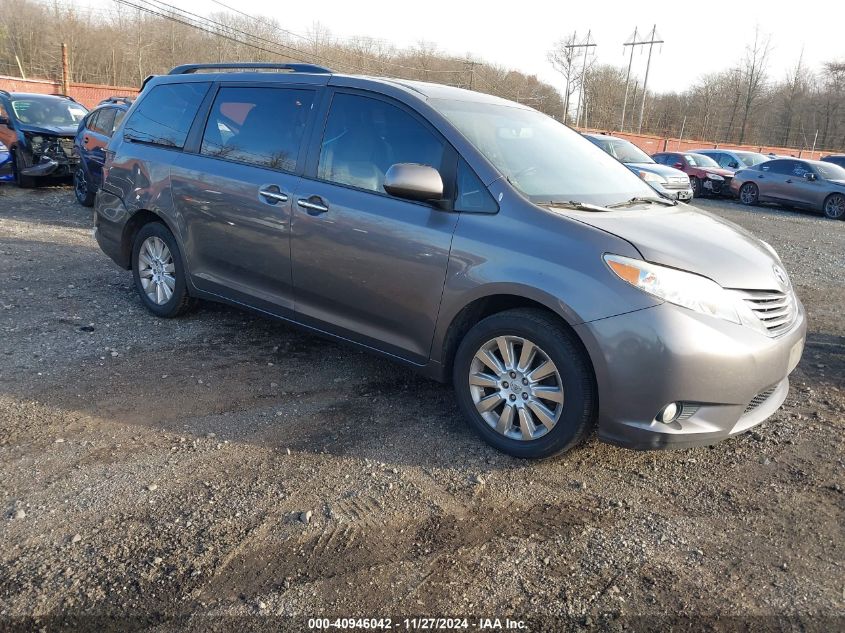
<point>418,624</point>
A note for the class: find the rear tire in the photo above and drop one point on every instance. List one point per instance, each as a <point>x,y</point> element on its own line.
<point>834,206</point>
<point>552,406</point>
<point>159,273</point>
<point>749,194</point>
<point>82,189</point>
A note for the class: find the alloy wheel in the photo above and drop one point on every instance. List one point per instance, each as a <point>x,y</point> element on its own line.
<point>156,270</point>
<point>516,388</point>
<point>834,207</point>
<point>748,193</point>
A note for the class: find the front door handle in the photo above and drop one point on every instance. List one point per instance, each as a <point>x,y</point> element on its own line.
<point>789,181</point>
<point>272,194</point>
<point>313,204</point>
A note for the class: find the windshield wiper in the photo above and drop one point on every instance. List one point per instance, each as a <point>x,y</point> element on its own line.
<point>574,204</point>
<point>641,200</point>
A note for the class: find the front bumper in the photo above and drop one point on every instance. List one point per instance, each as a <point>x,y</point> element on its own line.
<point>717,187</point>
<point>55,157</point>
<point>683,194</point>
<point>729,377</point>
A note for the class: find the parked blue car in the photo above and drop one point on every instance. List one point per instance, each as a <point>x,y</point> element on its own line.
<point>6,172</point>
<point>89,145</point>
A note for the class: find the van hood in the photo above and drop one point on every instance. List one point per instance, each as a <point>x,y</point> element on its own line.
<point>50,130</point>
<point>691,239</point>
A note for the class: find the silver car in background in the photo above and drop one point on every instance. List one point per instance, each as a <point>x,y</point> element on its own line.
<point>734,158</point>
<point>668,181</point>
<point>809,184</point>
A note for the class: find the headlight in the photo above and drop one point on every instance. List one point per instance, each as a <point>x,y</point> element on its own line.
<point>714,176</point>
<point>35,142</point>
<point>688,290</point>
<point>650,177</point>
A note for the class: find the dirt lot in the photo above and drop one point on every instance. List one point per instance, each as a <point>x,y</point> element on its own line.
<point>159,471</point>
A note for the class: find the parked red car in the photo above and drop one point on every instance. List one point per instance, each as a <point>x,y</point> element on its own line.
<point>705,175</point>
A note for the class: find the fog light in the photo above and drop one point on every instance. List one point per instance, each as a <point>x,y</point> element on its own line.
<point>668,413</point>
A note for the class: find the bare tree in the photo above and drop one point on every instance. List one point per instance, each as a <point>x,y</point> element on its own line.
<point>753,71</point>
<point>563,58</point>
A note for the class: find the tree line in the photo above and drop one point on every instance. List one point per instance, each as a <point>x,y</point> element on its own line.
<point>123,43</point>
<point>743,104</point>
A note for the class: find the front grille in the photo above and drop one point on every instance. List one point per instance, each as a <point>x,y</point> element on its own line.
<point>775,309</point>
<point>759,399</point>
<point>676,182</point>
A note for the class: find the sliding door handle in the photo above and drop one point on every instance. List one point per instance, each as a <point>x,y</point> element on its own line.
<point>313,204</point>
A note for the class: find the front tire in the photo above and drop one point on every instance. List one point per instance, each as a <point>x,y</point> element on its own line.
<point>159,273</point>
<point>24,182</point>
<point>525,384</point>
<point>695,184</point>
<point>82,188</point>
<point>749,194</point>
<point>834,206</point>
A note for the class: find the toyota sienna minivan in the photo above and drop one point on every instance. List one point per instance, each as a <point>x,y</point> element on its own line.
<point>471,238</point>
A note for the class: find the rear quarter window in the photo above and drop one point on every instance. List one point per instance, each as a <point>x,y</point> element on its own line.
<point>165,115</point>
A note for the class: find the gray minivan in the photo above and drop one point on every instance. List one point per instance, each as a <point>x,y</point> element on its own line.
<point>472,238</point>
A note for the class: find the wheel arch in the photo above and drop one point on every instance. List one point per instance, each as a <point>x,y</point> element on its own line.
<point>491,303</point>
<point>134,224</point>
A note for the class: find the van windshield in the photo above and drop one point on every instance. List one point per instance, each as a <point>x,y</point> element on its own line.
<point>541,157</point>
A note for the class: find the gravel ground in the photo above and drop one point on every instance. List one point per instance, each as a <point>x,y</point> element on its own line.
<point>226,471</point>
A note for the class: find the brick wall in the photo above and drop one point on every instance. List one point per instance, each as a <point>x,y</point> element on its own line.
<point>88,95</point>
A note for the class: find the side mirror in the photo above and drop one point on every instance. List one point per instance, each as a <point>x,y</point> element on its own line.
<point>810,176</point>
<point>678,166</point>
<point>414,182</point>
<point>733,164</point>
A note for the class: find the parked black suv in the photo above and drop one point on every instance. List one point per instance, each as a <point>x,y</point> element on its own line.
<point>38,130</point>
<point>89,146</point>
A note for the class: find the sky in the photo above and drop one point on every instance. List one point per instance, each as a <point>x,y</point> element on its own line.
<point>700,37</point>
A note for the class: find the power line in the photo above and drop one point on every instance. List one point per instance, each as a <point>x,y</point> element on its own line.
<point>313,42</point>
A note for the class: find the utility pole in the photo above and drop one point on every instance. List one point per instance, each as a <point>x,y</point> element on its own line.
<point>651,44</point>
<point>65,71</point>
<point>632,43</point>
<point>471,69</point>
<point>587,46</point>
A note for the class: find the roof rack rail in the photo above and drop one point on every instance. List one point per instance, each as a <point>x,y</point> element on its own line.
<point>126,100</point>
<point>186,69</point>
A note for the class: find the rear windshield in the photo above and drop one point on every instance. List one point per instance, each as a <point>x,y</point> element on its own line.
<point>829,171</point>
<point>749,159</point>
<point>541,157</point>
<point>627,152</point>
